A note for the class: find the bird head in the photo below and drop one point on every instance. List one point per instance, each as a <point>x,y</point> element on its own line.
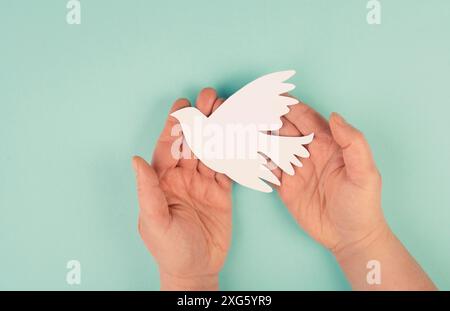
<point>188,117</point>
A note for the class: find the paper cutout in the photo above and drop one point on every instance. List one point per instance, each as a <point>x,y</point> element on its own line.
<point>235,139</point>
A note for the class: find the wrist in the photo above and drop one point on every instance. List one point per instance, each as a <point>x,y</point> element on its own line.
<point>192,283</point>
<point>381,235</point>
<point>381,262</point>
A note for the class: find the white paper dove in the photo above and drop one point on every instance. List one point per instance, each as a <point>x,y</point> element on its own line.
<point>235,139</point>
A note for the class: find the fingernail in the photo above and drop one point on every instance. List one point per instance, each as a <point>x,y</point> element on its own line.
<point>338,118</point>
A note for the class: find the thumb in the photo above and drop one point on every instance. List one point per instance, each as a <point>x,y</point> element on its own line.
<point>358,159</point>
<point>152,201</point>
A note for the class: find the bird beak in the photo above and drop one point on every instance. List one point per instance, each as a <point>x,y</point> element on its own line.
<point>175,114</point>
<point>180,114</point>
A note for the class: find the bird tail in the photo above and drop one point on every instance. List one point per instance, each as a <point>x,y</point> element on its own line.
<point>282,150</point>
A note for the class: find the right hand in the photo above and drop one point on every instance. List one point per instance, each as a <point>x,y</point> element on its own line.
<point>336,196</point>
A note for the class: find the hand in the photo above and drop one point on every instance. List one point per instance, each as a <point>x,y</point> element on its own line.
<point>336,195</point>
<point>336,198</point>
<point>185,210</point>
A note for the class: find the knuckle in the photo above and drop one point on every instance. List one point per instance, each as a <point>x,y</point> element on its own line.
<point>139,227</point>
<point>359,136</point>
<point>375,177</point>
<point>379,178</point>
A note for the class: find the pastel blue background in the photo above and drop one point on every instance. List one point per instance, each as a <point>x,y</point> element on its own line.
<point>77,102</point>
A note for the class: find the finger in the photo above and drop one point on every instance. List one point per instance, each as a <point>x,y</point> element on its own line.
<point>205,103</point>
<point>358,159</point>
<point>288,129</point>
<point>218,103</point>
<point>307,120</point>
<point>277,171</point>
<point>188,159</point>
<point>171,135</point>
<point>204,170</point>
<point>224,181</point>
<point>152,201</point>
<point>205,100</point>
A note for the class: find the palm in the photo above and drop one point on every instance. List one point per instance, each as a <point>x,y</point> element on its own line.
<point>200,221</point>
<point>307,193</point>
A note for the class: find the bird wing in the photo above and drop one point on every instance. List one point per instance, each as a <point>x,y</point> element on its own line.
<point>259,103</point>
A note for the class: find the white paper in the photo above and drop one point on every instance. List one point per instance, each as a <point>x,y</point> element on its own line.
<point>235,139</point>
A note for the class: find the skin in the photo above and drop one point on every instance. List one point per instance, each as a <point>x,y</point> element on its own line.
<point>336,198</point>
<point>185,208</point>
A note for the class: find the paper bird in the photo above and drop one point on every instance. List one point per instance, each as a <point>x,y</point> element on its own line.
<point>236,139</point>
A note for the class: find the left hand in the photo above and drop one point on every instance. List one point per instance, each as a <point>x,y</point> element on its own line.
<point>185,210</point>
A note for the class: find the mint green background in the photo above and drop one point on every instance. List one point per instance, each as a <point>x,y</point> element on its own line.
<point>76,102</point>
